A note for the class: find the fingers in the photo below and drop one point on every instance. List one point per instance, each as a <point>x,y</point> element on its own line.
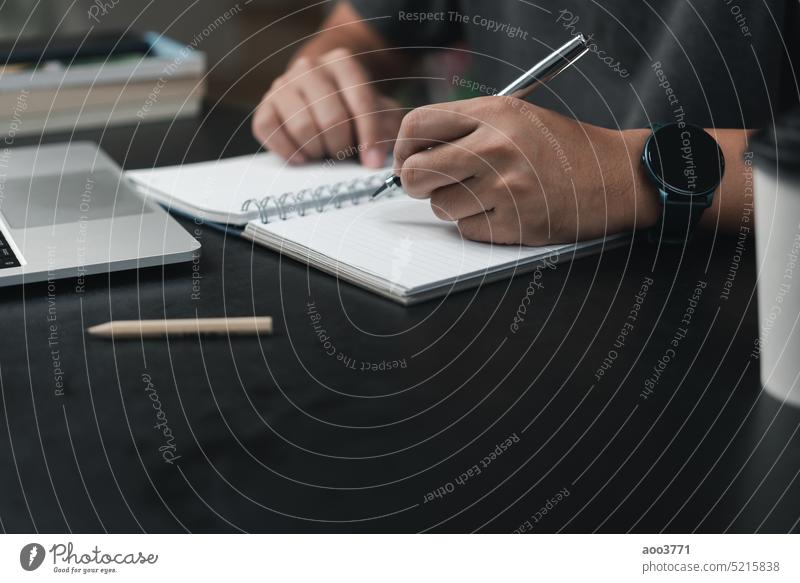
<point>362,102</point>
<point>429,127</point>
<point>321,107</point>
<point>429,170</point>
<point>300,125</point>
<point>459,201</point>
<point>329,113</point>
<point>269,130</point>
<point>484,227</point>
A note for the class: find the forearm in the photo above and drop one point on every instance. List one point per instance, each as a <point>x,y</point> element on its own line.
<point>730,198</point>
<point>737,183</point>
<point>345,28</point>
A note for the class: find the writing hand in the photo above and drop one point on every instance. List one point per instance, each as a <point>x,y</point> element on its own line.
<point>507,171</point>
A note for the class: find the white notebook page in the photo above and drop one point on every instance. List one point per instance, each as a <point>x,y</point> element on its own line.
<point>220,187</point>
<point>399,240</point>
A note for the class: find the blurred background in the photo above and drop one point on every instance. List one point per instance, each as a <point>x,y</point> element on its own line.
<point>250,44</point>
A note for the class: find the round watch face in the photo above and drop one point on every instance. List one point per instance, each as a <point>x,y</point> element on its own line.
<point>686,159</point>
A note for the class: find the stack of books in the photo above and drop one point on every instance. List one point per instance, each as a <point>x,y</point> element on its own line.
<point>113,79</point>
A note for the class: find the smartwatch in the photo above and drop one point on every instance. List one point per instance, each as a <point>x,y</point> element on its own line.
<point>686,166</point>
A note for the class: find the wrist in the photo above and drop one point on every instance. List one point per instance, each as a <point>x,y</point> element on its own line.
<point>642,203</point>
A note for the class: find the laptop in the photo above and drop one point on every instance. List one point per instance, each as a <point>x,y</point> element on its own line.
<point>67,211</point>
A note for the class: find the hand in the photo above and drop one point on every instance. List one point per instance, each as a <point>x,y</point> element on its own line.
<point>510,172</point>
<point>326,107</point>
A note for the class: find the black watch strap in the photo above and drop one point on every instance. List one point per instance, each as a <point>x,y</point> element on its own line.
<point>685,164</point>
<point>677,221</point>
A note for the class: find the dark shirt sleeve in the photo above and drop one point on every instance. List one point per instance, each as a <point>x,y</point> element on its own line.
<point>791,61</point>
<point>412,22</point>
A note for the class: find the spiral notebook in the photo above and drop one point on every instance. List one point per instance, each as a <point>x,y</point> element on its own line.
<point>321,214</point>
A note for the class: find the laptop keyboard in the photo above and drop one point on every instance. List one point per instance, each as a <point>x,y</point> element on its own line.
<point>7,257</point>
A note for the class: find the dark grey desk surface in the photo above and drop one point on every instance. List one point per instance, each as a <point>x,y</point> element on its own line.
<point>274,434</point>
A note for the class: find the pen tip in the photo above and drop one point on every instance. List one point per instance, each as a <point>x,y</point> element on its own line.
<point>383,187</point>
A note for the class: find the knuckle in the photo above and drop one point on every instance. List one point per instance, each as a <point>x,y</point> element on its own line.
<point>266,110</point>
<point>338,53</point>
<point>302,64</point>
<point>412,122</point>
<point>265,98</point>
<point>269,119</point>
<point>516,185</point>
<point>467,228</point>
<point>411,177</point>
<point>301,125</point>
<point>494,145</point>
<point>440,209</point>
<point>264,118</point>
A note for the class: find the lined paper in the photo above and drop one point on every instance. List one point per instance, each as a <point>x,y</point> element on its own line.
<point>396,240</point>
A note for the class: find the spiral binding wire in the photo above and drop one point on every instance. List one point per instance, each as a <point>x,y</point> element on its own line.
<point>299,202</point>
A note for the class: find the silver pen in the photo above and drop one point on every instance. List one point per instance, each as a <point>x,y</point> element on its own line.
<point>538,75</point>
